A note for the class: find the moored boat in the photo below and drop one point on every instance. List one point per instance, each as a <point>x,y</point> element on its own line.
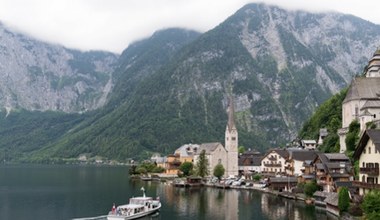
<point>136,208</point>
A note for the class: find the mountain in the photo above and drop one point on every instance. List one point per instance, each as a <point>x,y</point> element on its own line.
<point>99,132</point>
<point>278,66</point>
<point>38,76</point>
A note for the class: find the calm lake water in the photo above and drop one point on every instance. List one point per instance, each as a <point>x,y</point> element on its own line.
<point>66,192</point>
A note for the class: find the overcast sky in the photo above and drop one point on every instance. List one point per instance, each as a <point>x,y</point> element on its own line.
<point>113,24</point>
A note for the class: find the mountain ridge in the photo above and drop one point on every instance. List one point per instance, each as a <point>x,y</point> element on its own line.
<point>278,65</point>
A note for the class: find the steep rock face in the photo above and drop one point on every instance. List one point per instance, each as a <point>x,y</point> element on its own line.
<point>279,65</point>
<point>40,76</point>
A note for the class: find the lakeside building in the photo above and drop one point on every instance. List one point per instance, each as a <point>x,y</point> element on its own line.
<point>368,154</point>
<point>186,152</point>
<point>362,102</point>
<point>295,164</point>
<point>273,162</point>
<point>330,168</point>
<point>250,162</point>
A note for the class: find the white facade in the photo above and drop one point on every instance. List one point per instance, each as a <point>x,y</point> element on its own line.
<point>231,143</point>
<point>362,102</point>
<point>368,153</point>
<point>273,163</point>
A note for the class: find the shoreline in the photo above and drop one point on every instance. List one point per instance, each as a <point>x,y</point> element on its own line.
<point>287,195</point>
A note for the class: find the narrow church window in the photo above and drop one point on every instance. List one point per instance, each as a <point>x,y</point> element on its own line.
<point>220,161</point>
<point>234,138</point>
<point>369,150</point>
<point>356,111</point>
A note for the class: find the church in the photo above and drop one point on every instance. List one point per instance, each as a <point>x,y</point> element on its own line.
<point>362,101</point>
<point>227,155</point>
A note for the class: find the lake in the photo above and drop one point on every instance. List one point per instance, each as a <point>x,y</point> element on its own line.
<point>75,191</point>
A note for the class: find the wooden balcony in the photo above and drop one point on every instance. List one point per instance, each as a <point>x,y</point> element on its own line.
<point>272,164</point>
<point>366,185</point>
<point>370,171</point>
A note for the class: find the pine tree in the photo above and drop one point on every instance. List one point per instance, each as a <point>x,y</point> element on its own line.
<point>202,165</point>
<point>344,199</point>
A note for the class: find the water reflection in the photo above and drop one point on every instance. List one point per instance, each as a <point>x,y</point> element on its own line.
<point>212,203</point>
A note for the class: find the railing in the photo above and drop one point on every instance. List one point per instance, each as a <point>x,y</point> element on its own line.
<point>371,171</point>
<point>272,164</point>
<point>365,185</point>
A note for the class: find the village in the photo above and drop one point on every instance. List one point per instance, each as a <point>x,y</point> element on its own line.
<point>282,170</point>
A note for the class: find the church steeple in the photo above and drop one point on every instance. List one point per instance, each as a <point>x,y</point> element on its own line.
<point>231,141</point>
<point>231,112</point>
<point>373,67</point>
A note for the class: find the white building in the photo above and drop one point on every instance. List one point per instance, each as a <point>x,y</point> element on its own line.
<point>274,161</point>
<point>368,154</point>
<point>362,102</point>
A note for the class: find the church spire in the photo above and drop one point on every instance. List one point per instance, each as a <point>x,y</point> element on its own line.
<point>231,111</point>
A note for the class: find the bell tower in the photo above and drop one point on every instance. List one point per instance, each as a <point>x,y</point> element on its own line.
<point>231,141</point>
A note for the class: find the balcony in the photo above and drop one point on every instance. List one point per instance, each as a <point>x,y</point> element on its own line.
<point>272,164</point>
<point>321,182</point>
<point>370,171</point>
<point>366,185</point>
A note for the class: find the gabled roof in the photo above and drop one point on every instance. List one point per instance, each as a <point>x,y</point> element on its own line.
<point>332,199</point>
<point>336,156</point>
<point>371,104</point>
<point>363,88</point>
<point>303,155</point>
<point>283,153</point>
<point>187,150</point>
<point>253,160</point>
<point>374,135</point>
<point>209,147</point>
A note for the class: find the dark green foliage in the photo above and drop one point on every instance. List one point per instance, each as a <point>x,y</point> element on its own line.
<point>186,168</point>
<point>201,168</point>
<point>328,115</point>
<point>145,167</point>
<point>219,171</point>
<point>344,199</point>
<point>24,132</point>
<point>241,149</point>
<point>310,188</point>
<point>352,136</point>
<point>257,177</point>
<point>371,205</point>
<point>132,170</point>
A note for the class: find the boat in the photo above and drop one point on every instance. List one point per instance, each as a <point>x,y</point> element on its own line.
<point>136,208</point>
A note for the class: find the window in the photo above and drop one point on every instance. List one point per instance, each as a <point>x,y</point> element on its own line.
<point>356,111</point>
<point>369,150</point>
<point>220,161</point>
<point>233,138</point>
<point>363,178</point>
<point>363,164</point>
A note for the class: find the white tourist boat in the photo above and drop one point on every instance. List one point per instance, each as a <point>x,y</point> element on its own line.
<point>136,208</point>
